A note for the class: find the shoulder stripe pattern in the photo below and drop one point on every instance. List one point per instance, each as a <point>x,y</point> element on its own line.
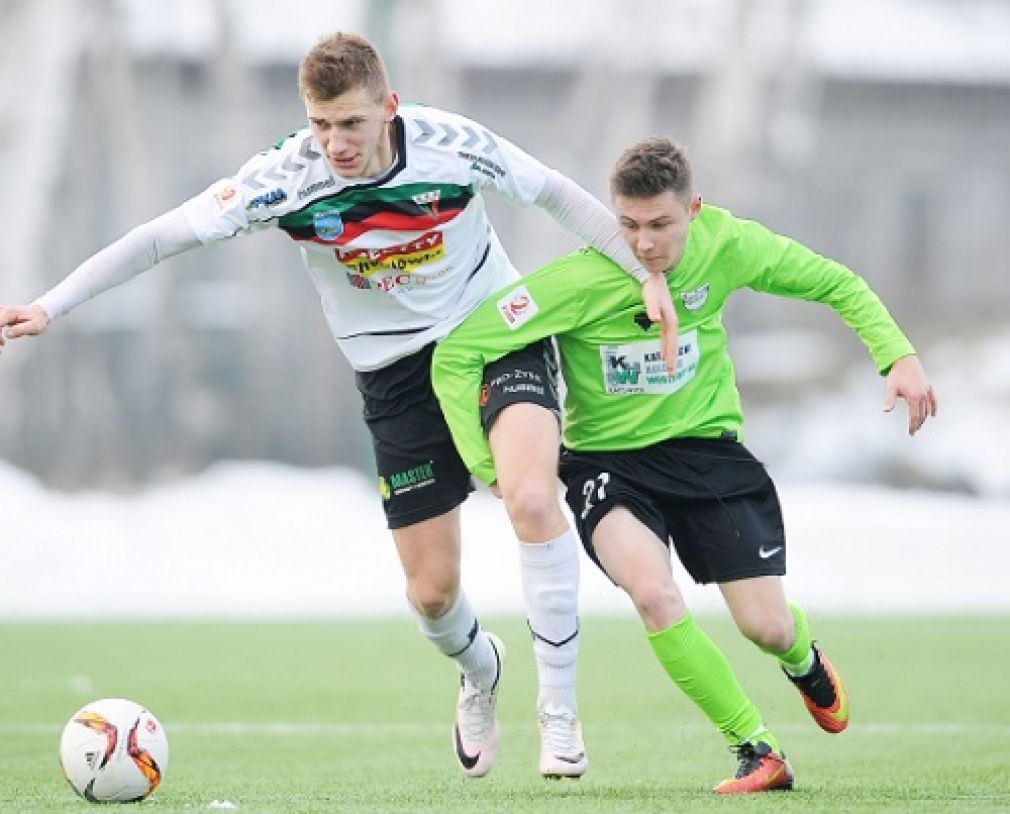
<point>289,165</point>
<point>450,134</point>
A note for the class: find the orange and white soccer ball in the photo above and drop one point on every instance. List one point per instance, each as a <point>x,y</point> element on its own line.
<point>113,751</point>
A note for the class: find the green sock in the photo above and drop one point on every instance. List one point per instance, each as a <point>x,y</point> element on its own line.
<point>701,670</point>
<point>799,658</point>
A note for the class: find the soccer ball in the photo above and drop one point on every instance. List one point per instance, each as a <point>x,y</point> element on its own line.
<point>113,751</point>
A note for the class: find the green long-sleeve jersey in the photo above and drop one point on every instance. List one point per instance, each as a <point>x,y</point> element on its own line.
<point>618,393</point>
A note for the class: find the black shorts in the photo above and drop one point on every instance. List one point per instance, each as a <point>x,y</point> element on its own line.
<point>712,497</point>
<point>421,475</point>
<point>528,375</point>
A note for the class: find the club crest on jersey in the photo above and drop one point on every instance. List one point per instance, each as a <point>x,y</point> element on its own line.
<point>428,201</point>
<point>517,307</point>
<point>695,300</point>
<point>328,225</point>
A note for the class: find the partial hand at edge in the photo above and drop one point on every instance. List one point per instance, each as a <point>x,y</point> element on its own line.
<point>907,379</point>
<point>659,308</point>
<point>16,321</point>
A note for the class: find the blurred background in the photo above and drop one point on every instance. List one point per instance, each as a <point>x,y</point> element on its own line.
<point>874,131</point>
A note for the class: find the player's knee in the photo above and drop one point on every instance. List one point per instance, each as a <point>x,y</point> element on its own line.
<point>657,602</point>
<point>431,599</point>
<point>773,632</point>
<point>533,508</point>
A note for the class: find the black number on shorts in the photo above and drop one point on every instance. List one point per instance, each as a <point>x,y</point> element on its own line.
<point>589,487</point>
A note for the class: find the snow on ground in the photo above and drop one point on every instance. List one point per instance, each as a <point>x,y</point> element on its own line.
<point>262,539</point>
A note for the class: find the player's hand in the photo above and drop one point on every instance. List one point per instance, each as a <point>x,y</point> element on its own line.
<point>659,308</point>
<point>28,320</point>
<point>907,380</point>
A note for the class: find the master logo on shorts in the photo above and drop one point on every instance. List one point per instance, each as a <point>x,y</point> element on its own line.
<point>417,477</point>
<point>517,307</point>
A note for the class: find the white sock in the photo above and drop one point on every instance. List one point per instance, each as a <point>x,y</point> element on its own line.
<point>458,635</point>
<point>550,574</point>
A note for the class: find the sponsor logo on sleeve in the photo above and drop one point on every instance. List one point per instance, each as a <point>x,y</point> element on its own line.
<point>517,307</point>
<point>225,195</point>
<point>267,199</point>
<point>484,165</point>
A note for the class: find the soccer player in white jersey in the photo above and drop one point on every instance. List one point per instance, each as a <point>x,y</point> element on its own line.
<point>385,203</point>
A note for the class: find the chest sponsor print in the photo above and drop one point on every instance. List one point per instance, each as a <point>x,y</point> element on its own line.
<point>639,367</point>
<point>404,257</point>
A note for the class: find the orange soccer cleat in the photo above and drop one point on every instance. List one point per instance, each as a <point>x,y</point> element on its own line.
<point>761,769</point>
<point>824,694</point>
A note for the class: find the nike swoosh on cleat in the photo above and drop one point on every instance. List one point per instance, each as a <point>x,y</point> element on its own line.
<point>771,552</point>
<point>575,759</point>
<point>465,760</point>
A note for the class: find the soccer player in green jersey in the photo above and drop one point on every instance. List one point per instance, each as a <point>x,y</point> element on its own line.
<point>650,457</point>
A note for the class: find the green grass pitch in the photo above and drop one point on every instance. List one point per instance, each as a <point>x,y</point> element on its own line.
<point>354,715</point>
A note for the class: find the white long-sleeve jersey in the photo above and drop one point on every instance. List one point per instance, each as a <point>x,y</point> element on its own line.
<point>398,260</point>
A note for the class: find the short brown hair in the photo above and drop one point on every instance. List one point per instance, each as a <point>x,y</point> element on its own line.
<point>650,168</point>
<point>338,63</point>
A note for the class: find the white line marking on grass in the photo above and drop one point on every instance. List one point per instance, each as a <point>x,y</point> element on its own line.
<point>243,729</point>
<point>357,730</point>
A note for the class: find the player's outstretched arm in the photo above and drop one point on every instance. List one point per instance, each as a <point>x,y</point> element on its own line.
<point>907,380</point>
<point>143,247</point>
<point>23,320</point>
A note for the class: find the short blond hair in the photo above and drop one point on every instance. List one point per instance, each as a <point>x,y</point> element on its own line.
<point>338,63</point>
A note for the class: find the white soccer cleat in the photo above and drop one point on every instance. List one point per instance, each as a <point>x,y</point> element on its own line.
<point>562,752</point>
<point>475,734</point>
